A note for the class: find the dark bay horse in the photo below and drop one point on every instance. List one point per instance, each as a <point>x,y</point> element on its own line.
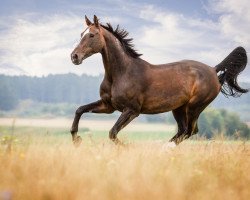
<point>133,86</point>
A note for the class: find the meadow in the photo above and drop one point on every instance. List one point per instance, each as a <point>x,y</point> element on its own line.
<point>38,162</point>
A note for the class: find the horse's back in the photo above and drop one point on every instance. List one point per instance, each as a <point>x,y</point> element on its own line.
<point>175,84</point>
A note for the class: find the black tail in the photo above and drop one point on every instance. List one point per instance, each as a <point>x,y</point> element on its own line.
<point>230,68</point>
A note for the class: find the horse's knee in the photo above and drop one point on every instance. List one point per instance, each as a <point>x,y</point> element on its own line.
<point>79,111</point>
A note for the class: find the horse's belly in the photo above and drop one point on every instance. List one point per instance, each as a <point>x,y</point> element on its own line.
<point>164,104</point>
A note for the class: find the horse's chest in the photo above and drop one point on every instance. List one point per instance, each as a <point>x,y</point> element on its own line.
<point>119,102</point>
<point>105,91</point>
<point>113,93</point>
<point>120,95</point>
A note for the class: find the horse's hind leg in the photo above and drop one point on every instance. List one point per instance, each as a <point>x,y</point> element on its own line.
<point>180,115</point>
<point>186,117</point>
<point>193,113</point>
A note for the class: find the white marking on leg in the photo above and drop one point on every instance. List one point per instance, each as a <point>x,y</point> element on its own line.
<point>168,146</point>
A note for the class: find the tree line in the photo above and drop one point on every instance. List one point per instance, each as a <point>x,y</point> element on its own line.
<point>73,89</point>
<point>60,95</point>
<point>64,88</point>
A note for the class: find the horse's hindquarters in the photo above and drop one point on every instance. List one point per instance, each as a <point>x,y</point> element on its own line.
<point>172,86</point>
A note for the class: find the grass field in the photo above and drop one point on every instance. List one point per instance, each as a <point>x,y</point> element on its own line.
<point>41,163</point>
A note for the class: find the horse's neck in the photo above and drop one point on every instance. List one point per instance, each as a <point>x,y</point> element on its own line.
<point>115,60</point>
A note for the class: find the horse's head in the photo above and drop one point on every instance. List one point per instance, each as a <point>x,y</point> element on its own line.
<point>90,43</point>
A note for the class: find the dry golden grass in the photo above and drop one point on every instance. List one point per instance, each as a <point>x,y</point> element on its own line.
<point>51,168</point>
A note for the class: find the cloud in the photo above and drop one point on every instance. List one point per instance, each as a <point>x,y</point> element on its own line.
<point>172,36</point>
<point>234,24</point>
<point>234,20</point>
<point>40,45</point>
<point>43,46</point>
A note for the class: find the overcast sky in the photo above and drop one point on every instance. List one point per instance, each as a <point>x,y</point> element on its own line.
<point>37,37</point>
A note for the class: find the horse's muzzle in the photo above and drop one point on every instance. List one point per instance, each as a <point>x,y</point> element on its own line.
<point>75,59</point>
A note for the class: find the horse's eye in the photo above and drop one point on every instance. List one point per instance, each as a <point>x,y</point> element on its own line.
<point>91,35</point>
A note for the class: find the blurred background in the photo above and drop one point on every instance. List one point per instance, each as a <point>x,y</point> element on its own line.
<point>41,88</point>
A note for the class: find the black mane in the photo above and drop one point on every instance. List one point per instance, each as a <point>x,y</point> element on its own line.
<point>121,35</point>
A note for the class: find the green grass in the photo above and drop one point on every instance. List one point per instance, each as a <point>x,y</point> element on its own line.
<point>24,136</point>
<point>28,133</point>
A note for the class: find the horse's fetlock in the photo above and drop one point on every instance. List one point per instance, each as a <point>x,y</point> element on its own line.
<point>112,134</point>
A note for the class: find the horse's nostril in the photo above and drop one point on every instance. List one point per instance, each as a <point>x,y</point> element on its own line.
<point>75,56</point>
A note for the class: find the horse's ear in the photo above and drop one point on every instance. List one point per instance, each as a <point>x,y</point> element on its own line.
<point>96,21</point>
<point>88,22</point>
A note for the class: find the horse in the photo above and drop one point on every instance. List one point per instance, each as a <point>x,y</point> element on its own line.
<point>133,86</point>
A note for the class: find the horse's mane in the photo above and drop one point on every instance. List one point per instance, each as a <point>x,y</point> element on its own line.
<point>121,35</point>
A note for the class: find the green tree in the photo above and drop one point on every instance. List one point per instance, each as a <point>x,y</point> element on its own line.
<point>221,121</point>
<point>8,98</point>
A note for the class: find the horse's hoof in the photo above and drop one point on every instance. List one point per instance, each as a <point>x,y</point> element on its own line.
<point>169,146</point>
<point>77,141</point>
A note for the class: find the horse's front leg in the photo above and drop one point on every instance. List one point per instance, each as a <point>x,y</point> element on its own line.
<point>95,107</point>
<point>125,118</point>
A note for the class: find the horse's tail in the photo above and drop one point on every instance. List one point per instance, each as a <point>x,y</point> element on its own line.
<point>229,70</point>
